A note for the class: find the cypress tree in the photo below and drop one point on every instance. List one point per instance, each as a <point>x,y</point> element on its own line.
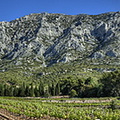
<point>41,89</point>
<point>6,90</point>
<point>21,90</point>
<point>58,88</point>
<point>11,89</point>
<point>53,89</point>
<point>1,90</point>
<point>32,91</point>
<point>46,91</point>
<point>36,91</point>
<point>15,91</point>
<point>27,91</point>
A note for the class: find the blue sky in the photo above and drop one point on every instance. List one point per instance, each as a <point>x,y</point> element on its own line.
<point>12,9</point>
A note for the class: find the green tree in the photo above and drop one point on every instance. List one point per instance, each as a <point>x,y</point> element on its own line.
<point>46,91</point>
<point>73,93</point>
<point>32,90</point>
<point>1,90</point>
<point>6,90</point>
<point>27,90</point>
<point>111,84</point>
<point>36,91</point>
<point>53,89</point>
<point>58,88</point>
<point>21,90</point>
<point>15,91</point>
<point>88,81</point>
<point>41,89</point>
<point>11,91</point>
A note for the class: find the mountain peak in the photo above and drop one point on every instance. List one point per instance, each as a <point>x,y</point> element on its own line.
<point>47,39</point>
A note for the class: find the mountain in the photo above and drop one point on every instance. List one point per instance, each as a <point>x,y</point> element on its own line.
<point>46,39</point>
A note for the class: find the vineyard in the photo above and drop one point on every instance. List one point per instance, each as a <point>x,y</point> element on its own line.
<point>60,109</point>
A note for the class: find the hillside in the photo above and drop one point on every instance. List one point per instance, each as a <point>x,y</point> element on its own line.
<point>55,54</point>
<point>40,40</point>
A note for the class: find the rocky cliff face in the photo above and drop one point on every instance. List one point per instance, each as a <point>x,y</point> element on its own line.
<point>51,38</point>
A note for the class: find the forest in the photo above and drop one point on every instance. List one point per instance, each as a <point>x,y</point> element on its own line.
<point>106,86</point>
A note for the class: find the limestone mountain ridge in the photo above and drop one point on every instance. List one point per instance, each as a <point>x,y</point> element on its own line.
<point>45,39</point>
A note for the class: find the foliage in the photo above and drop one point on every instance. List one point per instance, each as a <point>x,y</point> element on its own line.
<point>113,104</point>
<point>60,79</point>
<point>111,84</point>
<point>73,93</point>
<point>71,111</point>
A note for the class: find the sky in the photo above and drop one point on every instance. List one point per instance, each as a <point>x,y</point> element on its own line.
<point>12,9</point>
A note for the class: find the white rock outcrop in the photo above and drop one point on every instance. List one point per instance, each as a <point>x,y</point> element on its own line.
<point>51,38</point>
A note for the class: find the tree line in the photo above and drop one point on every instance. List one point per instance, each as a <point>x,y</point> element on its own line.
<point>107,86</point>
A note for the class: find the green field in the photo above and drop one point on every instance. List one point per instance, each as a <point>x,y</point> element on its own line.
<point>62,108</point>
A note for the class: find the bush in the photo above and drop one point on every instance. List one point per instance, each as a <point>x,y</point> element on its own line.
<point>73,93</point>
<point>113,104</point>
